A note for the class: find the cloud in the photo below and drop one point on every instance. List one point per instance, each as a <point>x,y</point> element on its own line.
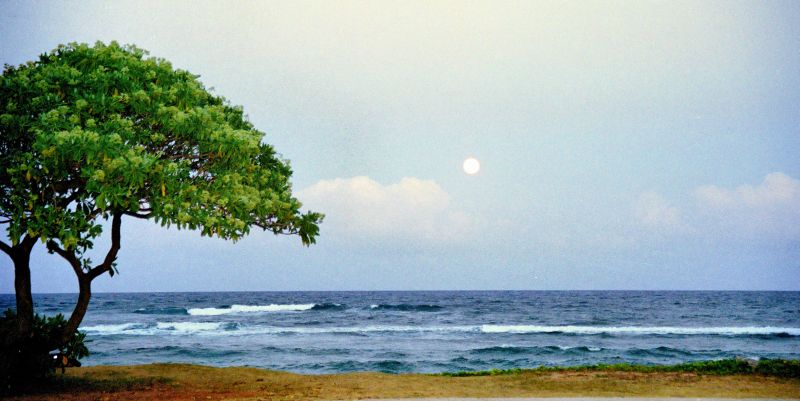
<point>771,208</point>
<point>767,211</point>
<point>777,191</point>
<point>653,211</point>
<point>411,209</point>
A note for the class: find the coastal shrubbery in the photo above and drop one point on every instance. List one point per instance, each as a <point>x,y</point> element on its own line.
<point>24,360</point>
<point>767,367</point>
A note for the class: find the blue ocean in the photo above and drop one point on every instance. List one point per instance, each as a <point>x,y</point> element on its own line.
<point>327,332</point>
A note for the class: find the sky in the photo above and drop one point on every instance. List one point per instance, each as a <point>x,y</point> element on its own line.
<point>647,145</point>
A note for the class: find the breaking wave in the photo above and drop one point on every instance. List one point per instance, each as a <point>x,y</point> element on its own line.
<point>179,328</point>
<point>634,330</point>
<point>329,306</point>
<point>232,328</point>
<point>162,311</point>
<point>406,307</point>
<point>250,309</point>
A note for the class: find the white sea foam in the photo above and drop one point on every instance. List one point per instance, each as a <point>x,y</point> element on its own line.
<point>566,348</point>
<point>188,327</point>
<point>159,328</point>
<point>491,328</point>
<point>249,309</point>
<point>109,329</point>
<point>352,330</point>
<point>222,328</point>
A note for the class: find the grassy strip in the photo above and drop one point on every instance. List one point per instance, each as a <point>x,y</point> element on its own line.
<point>185,382</point>
<point>767,367</point>
<point>112,382</point>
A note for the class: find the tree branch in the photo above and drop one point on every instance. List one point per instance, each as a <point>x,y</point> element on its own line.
<point>5,248</point>
<point>73,197</point>
<point>139,215</point>
<point>111,256</point>
<point>69,256</point>
<point>277,228</point>
<point>28,242</point>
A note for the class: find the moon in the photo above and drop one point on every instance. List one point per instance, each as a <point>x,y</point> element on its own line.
<point>471,166</point>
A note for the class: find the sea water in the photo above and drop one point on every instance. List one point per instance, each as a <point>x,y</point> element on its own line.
<point>325,332</point>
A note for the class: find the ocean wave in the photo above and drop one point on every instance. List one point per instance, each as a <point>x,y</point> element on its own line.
<point>328,306</point>
<point>406,307</point>
<point>386,366</point>
<point>111,329</point>
<point>230,328</point>
<point>170,310</point>
<point>179,328</point>
<point>502,349</point>
<point>250,309</point>
<point>635,330</point>
<point>358,329</point>
<point>547,349</point>
<point>659,352</point>
<point>582,348</point>
<point>195,327</point>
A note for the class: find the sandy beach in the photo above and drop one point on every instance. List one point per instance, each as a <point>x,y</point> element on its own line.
<point>192,382</point>
<point>569,399</point>
<point>566,399</point>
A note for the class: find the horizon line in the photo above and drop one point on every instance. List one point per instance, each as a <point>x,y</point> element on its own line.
<point>429,290</point>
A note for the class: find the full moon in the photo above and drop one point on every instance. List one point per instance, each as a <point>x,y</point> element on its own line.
<point>471,166</point>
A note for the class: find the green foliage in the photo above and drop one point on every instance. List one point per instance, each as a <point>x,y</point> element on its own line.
<point>766,367</point>
<point>25,359</point>
<point>779,368</point>
<point>86,131</point>
<point>490,372</point>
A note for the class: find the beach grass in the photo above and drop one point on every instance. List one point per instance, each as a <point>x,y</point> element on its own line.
<point>766,367</point>
<point>183,381</point>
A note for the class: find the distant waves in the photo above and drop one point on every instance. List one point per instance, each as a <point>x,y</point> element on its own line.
<point>234,328</point>
<point>236,309</point>
<point>327,332</point>
<point>249,309</point>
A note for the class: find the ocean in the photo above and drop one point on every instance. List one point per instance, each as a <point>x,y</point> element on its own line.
<point>436,331</point>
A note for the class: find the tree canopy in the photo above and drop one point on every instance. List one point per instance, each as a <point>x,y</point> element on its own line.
<point>94,133</point>
<point>87,131</point>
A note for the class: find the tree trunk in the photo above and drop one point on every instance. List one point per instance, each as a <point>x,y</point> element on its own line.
<point>85,277</point>
<point>21,256</point>
<point>75,319</point>
<point>22,287</point>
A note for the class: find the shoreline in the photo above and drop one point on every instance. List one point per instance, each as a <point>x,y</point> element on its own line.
<point>169,381</point>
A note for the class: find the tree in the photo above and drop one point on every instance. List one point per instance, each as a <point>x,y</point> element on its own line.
<point>92,134</point>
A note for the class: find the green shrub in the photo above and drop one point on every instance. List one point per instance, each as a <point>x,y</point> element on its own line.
<point>766,367</point>
<point>779,367</point>
<point>25,360</point>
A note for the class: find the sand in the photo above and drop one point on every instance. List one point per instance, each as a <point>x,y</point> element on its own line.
<point>192,382</point>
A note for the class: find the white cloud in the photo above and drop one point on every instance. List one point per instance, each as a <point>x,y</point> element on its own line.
<point>767,211</point>
<point>412,209</point>
<point>655,212</point>
<point>771,208</point>
<point>777,191</point>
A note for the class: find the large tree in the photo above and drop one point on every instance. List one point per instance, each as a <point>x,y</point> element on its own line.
<point>90,135</point>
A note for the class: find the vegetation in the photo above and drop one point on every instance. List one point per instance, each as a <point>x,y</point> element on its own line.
<point>179,381</point>
<point>23,359</point>
<point>92,134</point>
<point>765,367</point>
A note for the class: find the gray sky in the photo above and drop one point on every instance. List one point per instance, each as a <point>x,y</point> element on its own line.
<point>623,145</point>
